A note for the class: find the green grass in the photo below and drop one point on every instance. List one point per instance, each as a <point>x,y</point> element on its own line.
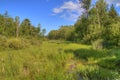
<point>59,60</point>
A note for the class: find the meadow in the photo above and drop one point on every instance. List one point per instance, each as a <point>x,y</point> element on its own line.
<point>60,60</point>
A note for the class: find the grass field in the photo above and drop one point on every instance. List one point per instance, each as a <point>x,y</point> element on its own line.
<point>56,60</point>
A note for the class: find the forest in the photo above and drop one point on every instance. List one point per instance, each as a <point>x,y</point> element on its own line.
<point>87,50</point>
<point>98,24</point>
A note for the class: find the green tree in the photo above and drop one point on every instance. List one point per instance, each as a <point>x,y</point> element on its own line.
<point>86,6</point>
<point>17,22</point>
<point>43,32</point>
<point>112,12</point>
<point>6,15</point>
<point>63,33</point>
<point>39,29</point>
<point>102,9</point>
<point>2,24</point>
<point>25,27</point>
<point>9,27</point>
<point>53,34</point>
<point>81,28</point>
<point>114,38</point>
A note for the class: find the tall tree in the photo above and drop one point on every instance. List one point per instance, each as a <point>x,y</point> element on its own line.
<point>101,7</point>
<point>112,12</point>
<point>81,28</point>
<point>6,15</point>
<point>2,19</point>
<point>86,6</point>
<point>39,29</point>
<point>17,22</point>
<point>25,27</point>
<point>43,32</point>
<point>9,27</point>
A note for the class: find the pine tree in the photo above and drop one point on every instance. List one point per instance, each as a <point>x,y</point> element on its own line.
<point>43,32</point>
<point>101,7</point>
<point>112,12</point>
<point>86,6</point>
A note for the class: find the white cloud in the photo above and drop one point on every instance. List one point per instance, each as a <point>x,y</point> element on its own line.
<point>118,5</point>
<point>116,2</point>
<point>70,10</point>
<point>70,16</point>
<point>57,10</point>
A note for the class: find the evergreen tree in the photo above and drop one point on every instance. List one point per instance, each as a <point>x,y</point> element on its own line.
<point>112,12</point>
<point>43,32</point>
<point>86,6</point>
<point>39,29</point>
<point>101,8</point>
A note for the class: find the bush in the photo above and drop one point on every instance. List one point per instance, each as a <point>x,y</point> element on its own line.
<point>3,42</point>
<point>98,44</point>
<point>35,41</point>
<point>93,72</point>
<point>16,43</point>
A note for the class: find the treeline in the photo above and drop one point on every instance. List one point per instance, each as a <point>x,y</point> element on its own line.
<point>64,33</point>
<point>16,35</point>
<point>98,24</point>
<point>11,27</point>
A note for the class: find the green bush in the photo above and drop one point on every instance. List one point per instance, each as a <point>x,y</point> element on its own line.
<point>3,42</point>
<point>92,72</point>
<point>35,41</point>
<point>98,44</point>
<point>16,43</point>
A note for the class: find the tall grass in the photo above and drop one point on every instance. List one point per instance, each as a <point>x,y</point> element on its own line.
<point>59,61</point>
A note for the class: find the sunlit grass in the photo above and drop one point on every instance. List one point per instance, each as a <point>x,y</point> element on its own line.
<point>56,60</point>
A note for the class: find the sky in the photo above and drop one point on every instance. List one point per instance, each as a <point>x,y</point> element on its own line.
<point>51,14</point>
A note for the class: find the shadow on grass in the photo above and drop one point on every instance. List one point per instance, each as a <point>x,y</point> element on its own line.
<point>108,62</point>
<point>87,53</point>
<point>109,59</point>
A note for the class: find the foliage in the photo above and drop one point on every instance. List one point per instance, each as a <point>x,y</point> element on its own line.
<point>11,27</point>
<point>24,56</point>
<point>3,42</point>
<point>97,22</point>
<point>16,35</point>
<point>56,60</point>
<point>64,33</point>
<point>98,44</point>
<point>16,43</point>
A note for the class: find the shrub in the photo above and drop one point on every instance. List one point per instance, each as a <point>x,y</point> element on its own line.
<point>35,41</point>
<point>16,43</point>
<point>93,72</point>
<point>3,42</point>
<point>98,44</point>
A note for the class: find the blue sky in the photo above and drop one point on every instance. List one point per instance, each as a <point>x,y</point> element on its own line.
<point>49,13</point>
